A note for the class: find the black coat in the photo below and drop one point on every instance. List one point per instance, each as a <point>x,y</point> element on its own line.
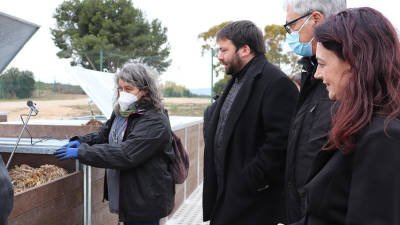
<point>359,188</point>
<point>147,187</point>
<point>308,133</point>
<point>6,194</point>
<point>255,139</point>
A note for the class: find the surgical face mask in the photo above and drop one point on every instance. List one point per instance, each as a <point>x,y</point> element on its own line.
<point>300,48</point>
<point>125,100</point>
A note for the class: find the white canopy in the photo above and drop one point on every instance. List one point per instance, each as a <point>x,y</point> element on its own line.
<point>99,86</point>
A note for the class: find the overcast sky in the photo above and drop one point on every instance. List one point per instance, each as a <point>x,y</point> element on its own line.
<point>184,20</point>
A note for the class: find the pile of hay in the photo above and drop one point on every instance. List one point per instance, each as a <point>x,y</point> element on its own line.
<point>94,122</point>
<point>24,176</point>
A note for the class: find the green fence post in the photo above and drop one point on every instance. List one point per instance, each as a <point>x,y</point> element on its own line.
<point>212,74</point>
<point>1,89</point>
<point>101,60</point>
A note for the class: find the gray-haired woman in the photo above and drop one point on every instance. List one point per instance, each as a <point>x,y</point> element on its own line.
<point>135,145</point>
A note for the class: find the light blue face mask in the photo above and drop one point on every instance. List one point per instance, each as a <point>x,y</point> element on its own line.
<point>300,48</point>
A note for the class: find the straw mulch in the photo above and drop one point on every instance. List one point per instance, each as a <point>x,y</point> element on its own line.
<point>24,176</point>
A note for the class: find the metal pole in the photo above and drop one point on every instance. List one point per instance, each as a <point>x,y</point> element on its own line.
<point>87,192</point>
<point>101,60</point>
<point>85,200</point>
<point>19,138</point>
<point>212,75</point>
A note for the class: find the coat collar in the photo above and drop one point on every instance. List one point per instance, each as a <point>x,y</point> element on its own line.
<point>242,98</point>
<point>244,93</point>
<point>307,72</point>
<point>237,107</point>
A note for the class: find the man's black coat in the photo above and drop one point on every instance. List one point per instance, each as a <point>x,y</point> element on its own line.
<point>308,133</point>
<point>254,145</point>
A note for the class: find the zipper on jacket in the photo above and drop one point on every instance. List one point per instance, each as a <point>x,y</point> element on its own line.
<point>313,108</point>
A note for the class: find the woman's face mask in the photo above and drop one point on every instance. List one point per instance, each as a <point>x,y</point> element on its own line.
<point>126,99</point>
<point>300,48</point>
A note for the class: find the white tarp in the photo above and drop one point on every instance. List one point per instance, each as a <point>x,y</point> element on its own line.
<point>14,33</point>
<point>99,86</point>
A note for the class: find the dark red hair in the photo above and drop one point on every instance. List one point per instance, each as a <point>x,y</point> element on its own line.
<point>365,39</point>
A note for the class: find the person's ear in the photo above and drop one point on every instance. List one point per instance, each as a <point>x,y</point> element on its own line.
<point>245,51</point>
<point>347,71</point>
<point>145,91</point>
<point>317,17</point>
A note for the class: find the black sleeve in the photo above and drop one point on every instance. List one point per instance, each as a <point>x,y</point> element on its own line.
<point>6,193</point>
<point>374,196</point>
<point>148,137</point>
<point>278,107</point>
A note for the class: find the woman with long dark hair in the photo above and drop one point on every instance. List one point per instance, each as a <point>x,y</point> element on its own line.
<point>355,179</point>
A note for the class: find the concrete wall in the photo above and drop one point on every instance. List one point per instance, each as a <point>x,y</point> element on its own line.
<point>67,193</point>
<point>3,116</point>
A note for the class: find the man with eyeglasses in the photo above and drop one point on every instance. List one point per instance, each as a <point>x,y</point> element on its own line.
<point>311,123</point>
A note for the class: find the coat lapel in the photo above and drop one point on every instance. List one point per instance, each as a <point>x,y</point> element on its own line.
<point>241,101</point>
<point>215,114</point>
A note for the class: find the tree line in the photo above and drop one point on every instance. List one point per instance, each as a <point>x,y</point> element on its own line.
<point>21,84</point>
<point>171,89</point>
<point>16,84</point>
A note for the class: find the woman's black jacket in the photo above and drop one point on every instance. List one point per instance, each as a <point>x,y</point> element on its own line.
<point>147,187</point>
<point>358,188</point>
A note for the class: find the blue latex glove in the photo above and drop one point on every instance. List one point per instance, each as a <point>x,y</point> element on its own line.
<point>74,144</point>
<point>66,153</point>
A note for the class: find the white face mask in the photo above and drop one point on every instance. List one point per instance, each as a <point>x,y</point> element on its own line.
<point>125,100</point>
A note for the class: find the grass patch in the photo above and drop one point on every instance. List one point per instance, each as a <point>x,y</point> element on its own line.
<point>186,109</point>
<point>86,109</point>
<point>49,96</point>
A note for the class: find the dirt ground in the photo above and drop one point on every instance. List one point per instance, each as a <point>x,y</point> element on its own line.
<point>66,106</point>
<point>48,109</point>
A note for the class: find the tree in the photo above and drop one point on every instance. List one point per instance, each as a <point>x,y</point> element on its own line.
<point>275,36</point>
<point>115,27</point>
<point>220,85</point>
<point>17,83</point>
<point>208,38</point>
<point>171,89</point>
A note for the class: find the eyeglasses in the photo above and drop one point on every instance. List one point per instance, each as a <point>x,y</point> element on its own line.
<point>288,25</point>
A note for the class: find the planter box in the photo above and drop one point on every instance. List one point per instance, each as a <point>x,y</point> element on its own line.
<point>61,201</point>
<point>57,202</point>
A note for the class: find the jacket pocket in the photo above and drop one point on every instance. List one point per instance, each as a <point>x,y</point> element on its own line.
<point>249,187</point>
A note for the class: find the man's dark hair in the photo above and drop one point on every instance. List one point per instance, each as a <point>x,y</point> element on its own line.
<point>243,33</point>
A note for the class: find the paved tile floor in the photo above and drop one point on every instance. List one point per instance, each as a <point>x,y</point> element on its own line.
<point>190,212</point>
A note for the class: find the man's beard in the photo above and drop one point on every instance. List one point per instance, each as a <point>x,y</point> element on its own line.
<point>234,65</point>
